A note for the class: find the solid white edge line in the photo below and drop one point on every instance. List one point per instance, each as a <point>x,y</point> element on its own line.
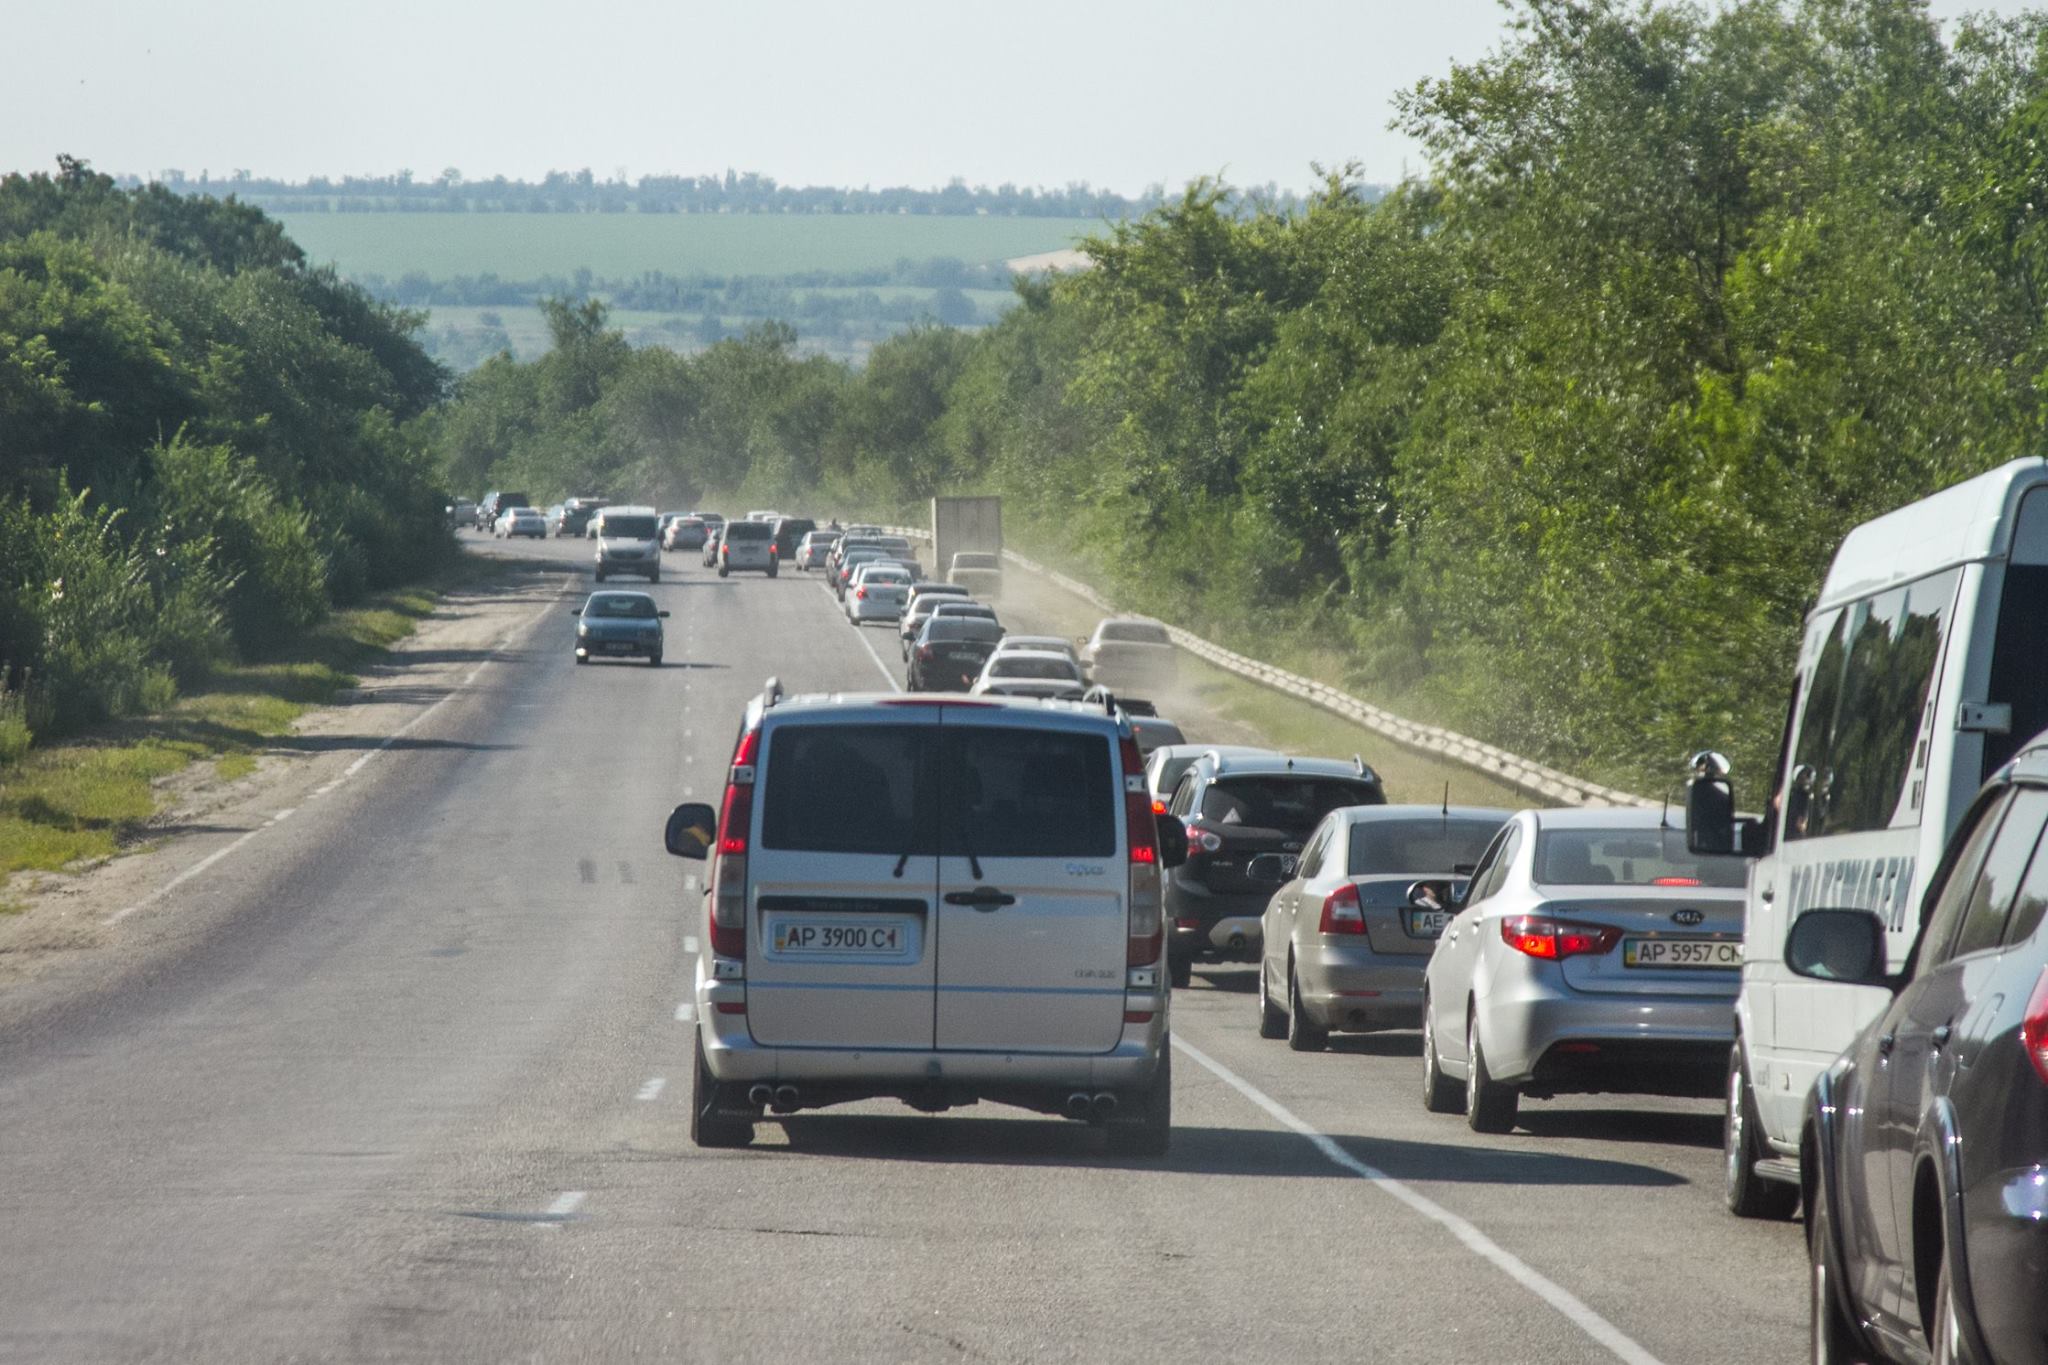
<point>567,1203</point>
<point>1556,1295</point>
<point>880,667</point>
<point>686,1013</point>
<point>214,857</point>
<point>652,1090</point>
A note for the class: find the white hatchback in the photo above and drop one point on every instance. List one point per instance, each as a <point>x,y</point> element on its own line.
<point>877,591</point>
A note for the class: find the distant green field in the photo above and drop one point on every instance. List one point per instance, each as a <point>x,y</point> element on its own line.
<point>522,246</point>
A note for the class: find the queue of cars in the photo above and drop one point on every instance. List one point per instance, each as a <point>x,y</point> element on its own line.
<point>1860,970</point>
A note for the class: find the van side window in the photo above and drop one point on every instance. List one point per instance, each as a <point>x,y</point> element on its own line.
<point>1957,879</point>
<point>2032,900</point>
<point>1864,712</point>
<point>1984,917</point>
<point>2019,659</point>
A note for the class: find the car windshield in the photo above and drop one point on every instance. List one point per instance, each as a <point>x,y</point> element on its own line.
<point>1279,802</point>
<point>629,528</point>
<point>1631,857</point>
<point>1136,633</point>
<point>633,605</point>
<point>970,609</point>
<point>894,578</point>
<point>749,530</point>
<point>950,629</point>
<point>1017,666</point>
<point>1422,845</point>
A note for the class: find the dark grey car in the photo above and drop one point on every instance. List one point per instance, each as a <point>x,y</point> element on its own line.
<point>1925,1152</point>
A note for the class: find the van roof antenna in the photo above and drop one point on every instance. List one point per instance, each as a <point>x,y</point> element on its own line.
<point>1664,816</point>
<point>1447,798</point>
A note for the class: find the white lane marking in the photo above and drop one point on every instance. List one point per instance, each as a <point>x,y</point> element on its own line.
<point>564,1207</point>
<point>686,1013</point>
<point>880,667</point>
<point>652,1090</point>
<point>214,857</point>
<point>690,946</point>
<point>1556,1295</point>
<point>284,815</point>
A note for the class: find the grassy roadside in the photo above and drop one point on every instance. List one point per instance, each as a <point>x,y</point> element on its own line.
<point>85,797</point>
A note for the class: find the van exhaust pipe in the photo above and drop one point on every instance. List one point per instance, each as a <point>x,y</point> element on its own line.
<point>1104,1105</point>
<point>759,1096</point>
<point>785,1098</point>
<point>1077,1105</point>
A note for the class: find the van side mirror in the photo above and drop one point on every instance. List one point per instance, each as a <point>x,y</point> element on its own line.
<point>1173,840</point>
<point>1711,825</point>
<point>691,828</point>
<point>1838,945</point>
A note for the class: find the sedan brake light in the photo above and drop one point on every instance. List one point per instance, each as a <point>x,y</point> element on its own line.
<point>1342,913</point>
<point>1544,937</point>
<point>2034,1028</point>
<point>1146,933</point>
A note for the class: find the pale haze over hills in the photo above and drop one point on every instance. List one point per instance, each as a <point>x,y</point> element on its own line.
<point>1122,94</point>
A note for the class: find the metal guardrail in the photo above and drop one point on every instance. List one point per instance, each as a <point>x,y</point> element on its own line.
<point>1525,775</point>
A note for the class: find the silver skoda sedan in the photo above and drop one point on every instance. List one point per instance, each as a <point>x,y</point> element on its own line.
<point>1345,941</point>
<point>1590,953</point>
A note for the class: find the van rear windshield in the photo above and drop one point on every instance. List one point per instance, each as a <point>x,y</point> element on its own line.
<point>629,528</point>
<point>749,530</point>
<point>1631,857</point>
<point>1382,846</point>
<point>988,791</point>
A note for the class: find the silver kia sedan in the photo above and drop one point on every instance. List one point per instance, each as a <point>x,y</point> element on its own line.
<point>1345,940</point>
<point>1590,953</point>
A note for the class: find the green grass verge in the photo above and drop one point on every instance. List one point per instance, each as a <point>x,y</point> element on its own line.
<point>85,798</point>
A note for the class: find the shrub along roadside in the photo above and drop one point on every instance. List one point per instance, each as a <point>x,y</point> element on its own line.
<point>93,796</point>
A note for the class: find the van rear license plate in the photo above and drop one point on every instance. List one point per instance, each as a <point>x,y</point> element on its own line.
<point>1725,954</point>
<point>866,937</point>
<point>1427,923</point>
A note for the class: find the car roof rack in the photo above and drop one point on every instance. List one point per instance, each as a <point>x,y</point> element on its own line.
<point>771,693</point>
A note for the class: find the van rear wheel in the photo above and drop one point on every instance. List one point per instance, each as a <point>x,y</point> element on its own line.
<point>1152,1134</point>
<point>1747,1194</point>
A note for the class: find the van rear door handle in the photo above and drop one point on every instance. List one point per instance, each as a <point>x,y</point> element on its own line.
<point>1885,1042</point>
<point>981,898</point>
<point>1939,1038</point>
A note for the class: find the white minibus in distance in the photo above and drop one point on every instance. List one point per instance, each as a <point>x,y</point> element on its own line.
<point>1923,668</point>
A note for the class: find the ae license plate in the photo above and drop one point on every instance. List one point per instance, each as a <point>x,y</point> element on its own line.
<point>1722,953</point>
<point>806,936</point>
<point>618,647</point>
<point>1427,923</point>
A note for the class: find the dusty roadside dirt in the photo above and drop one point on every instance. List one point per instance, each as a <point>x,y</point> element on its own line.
<point>84,929</point>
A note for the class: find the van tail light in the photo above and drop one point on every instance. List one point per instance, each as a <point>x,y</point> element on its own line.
<point>729,869</point>
<point>1542,936</point>
<point>1147,931</point>
<point>1342,913</point>
<point>2034,1028</point>
<point>1159,808</point>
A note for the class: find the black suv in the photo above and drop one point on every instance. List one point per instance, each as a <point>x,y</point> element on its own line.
<point>1923,1152</point>
<point>950,651</point>
<point>1237,806</point>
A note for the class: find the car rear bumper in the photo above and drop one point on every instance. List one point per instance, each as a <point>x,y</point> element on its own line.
<point>838,1075</point>
<point>1349,987</point>
<point>1203,924</point>
<point>1558,1041</point>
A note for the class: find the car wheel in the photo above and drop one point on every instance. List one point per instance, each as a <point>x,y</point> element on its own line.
<point>582,658</point>
<point>1747,1194</point>
<point>1440,1094</point>
<point>708,1127</point>
<point>1833,1340</point>
<point>1947,1335</point>
<point>771,571</point>
<point>1152,1134</point>
<point>1489,1106</point>
<point>654,577</point>
<point>1303,1033</point>
<point>1180,971</point>
<point>1272,1019</point>
<point>655,658</point>
<point>724,572</point>
<point>600,575</point>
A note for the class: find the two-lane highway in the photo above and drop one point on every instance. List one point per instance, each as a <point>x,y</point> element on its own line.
<point>423,1097</point>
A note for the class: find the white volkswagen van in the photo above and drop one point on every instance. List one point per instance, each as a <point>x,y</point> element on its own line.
<point>1924,667</point>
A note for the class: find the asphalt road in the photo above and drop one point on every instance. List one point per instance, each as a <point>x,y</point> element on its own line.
<point>420,1095</point>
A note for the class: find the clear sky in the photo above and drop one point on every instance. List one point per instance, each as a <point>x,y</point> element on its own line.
<point>1119,93</point>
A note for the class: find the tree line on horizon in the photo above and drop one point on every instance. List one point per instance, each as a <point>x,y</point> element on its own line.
<point>1553,444</point>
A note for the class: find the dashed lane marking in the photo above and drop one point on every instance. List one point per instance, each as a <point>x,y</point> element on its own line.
<point>652,1090</point>
<point>1575,1309</point>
